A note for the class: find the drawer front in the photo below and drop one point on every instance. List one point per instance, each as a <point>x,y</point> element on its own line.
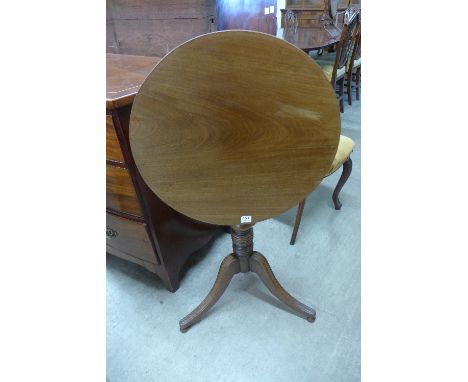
<point>113,151</point>
<point>129,237</point>
<point>120,193</point>
<point>313,4</point>
<point>308,15</point>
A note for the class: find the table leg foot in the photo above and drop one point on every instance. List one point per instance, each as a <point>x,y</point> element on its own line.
<point>259,265</point>
<point>229,267</point>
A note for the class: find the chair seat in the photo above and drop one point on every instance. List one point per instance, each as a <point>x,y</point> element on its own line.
<point>345,148</point>
<point>342,156</point>
<point>327,62</point>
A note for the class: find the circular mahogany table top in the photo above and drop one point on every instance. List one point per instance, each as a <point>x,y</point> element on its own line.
<point>234,127</point>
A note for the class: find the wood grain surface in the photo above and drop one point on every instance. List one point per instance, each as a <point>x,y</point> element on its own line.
<point>232,124</point>
<point>124,76</point>
<point>129,237</point>
<point>154,27</point>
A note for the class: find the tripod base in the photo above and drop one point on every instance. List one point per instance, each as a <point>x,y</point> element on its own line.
<point>244,259</point>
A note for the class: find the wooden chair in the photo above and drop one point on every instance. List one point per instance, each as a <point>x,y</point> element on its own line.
<point>342,158</point>
<point>354,68</point>
<point>334,65</point>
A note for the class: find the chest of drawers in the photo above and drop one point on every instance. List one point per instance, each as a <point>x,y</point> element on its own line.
<point>140,227</point>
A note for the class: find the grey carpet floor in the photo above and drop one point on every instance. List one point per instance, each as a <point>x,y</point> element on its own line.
<point>249,335</point>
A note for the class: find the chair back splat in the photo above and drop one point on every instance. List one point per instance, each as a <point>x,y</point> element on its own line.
<point>354,66</point>
<point>345,46</point>
<point>357,45</point>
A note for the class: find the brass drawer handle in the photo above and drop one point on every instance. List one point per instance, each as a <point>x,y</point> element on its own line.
<point>111,233</point>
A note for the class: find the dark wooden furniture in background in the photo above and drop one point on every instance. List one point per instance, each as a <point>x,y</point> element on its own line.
<point>335,65</point>
<point>235,152</point>
<point>154,27</point>
<point>312,12</point>
<point>247,15</point>
<point>308,12</point>
<point>140,227</point>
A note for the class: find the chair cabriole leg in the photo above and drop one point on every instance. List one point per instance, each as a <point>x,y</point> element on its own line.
<point>300,210</point>
<point>347,168</point>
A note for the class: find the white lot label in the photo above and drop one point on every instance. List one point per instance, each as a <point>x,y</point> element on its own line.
<point>246,219</point>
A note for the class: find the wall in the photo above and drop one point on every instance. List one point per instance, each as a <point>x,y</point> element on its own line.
<point>154,27</point>
<point>246,14</point>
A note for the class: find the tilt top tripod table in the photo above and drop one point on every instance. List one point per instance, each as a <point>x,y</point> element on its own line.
<point>232,128</point>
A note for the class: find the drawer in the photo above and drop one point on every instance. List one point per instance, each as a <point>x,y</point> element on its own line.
<point>308,22</point>
<point>315,4</point>
<point>129,237</point>
<point>308,14</point>
<point>120,193</point>
<point>113,151</point>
